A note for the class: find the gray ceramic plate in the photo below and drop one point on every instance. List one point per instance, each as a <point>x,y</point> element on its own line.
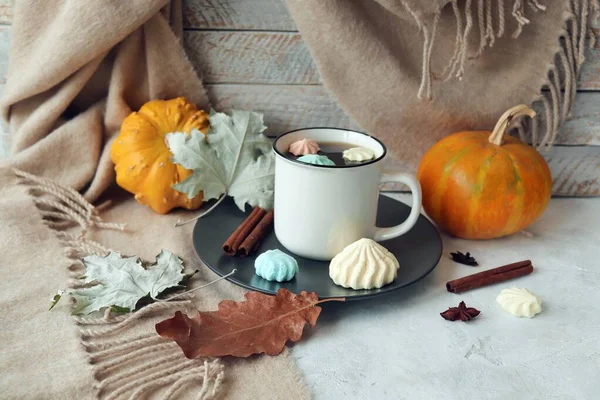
<point>418,252</point>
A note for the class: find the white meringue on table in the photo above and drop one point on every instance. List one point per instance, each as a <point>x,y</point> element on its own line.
<point>358,154</point>
<point>364,264</point>
<point>520,302</point>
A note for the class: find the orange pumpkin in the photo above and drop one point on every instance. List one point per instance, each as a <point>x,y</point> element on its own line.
<point>483,185</point>
<point>143,160</point>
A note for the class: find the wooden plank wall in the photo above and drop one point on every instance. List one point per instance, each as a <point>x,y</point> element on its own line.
<point>251,56</point>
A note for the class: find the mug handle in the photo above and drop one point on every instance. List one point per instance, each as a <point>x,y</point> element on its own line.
<point>415,188</point>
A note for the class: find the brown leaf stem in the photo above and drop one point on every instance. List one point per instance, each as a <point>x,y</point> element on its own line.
<point>331,299</point>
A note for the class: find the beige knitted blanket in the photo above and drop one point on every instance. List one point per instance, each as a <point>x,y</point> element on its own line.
<point>413,71</point>
<point>77,68</point>
<point>408,71</point>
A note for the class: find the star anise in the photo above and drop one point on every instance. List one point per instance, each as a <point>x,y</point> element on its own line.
<point>461,312</point>
<point>465,259</point>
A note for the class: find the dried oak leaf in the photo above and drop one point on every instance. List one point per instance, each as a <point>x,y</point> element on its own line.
<point>461,312</point>
<point>261,324</point>
<point>465,259</point>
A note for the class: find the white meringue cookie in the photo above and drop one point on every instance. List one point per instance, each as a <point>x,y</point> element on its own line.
<point>520,302</point>
<point>358,154</point>
<point>364,264</point>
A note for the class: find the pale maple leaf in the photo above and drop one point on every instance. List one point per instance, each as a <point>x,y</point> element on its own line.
<point>120,282</point>
<point>234,159</point>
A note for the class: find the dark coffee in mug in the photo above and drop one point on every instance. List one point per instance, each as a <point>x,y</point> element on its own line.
<point>334,151</point>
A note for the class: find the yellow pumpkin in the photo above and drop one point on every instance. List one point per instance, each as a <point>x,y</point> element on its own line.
<point>483,185</point>
<point>143,160</point>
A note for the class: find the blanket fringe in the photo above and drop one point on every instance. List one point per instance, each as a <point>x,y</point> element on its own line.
<point>67,206</point>
<point>428,40</point>
<point>125,365</point>
<point>557,93</point>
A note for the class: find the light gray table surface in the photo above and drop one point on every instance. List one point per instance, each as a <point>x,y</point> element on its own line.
<point>398,347</point>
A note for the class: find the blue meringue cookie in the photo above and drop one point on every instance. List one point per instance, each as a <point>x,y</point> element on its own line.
<point>316,159</point>
<point>275,265</point>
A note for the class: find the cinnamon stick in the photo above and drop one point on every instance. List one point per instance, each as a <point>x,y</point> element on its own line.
<point>494,275</point>
<point>231,245</point>
<point>259,232</point>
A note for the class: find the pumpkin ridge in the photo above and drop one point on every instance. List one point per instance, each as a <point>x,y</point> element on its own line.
<point>440,187</point>
<point>437,150</point>
<point>160,137</point>
<point>477,191</point>
<point>150,182</point>
<point>154,112</point>
<point>131,164</point>
<point>139,149</point>
<point>516,216</point>
<point>541,169</point>
<point>149,119</point>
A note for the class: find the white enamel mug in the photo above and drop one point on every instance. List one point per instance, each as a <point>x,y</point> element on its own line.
<point>320,209</point>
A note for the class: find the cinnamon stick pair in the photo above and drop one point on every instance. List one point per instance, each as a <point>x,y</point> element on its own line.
<point>495,275</point>
<point>248,236</point>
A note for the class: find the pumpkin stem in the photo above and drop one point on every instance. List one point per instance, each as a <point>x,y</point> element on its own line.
<point>521,110</point>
